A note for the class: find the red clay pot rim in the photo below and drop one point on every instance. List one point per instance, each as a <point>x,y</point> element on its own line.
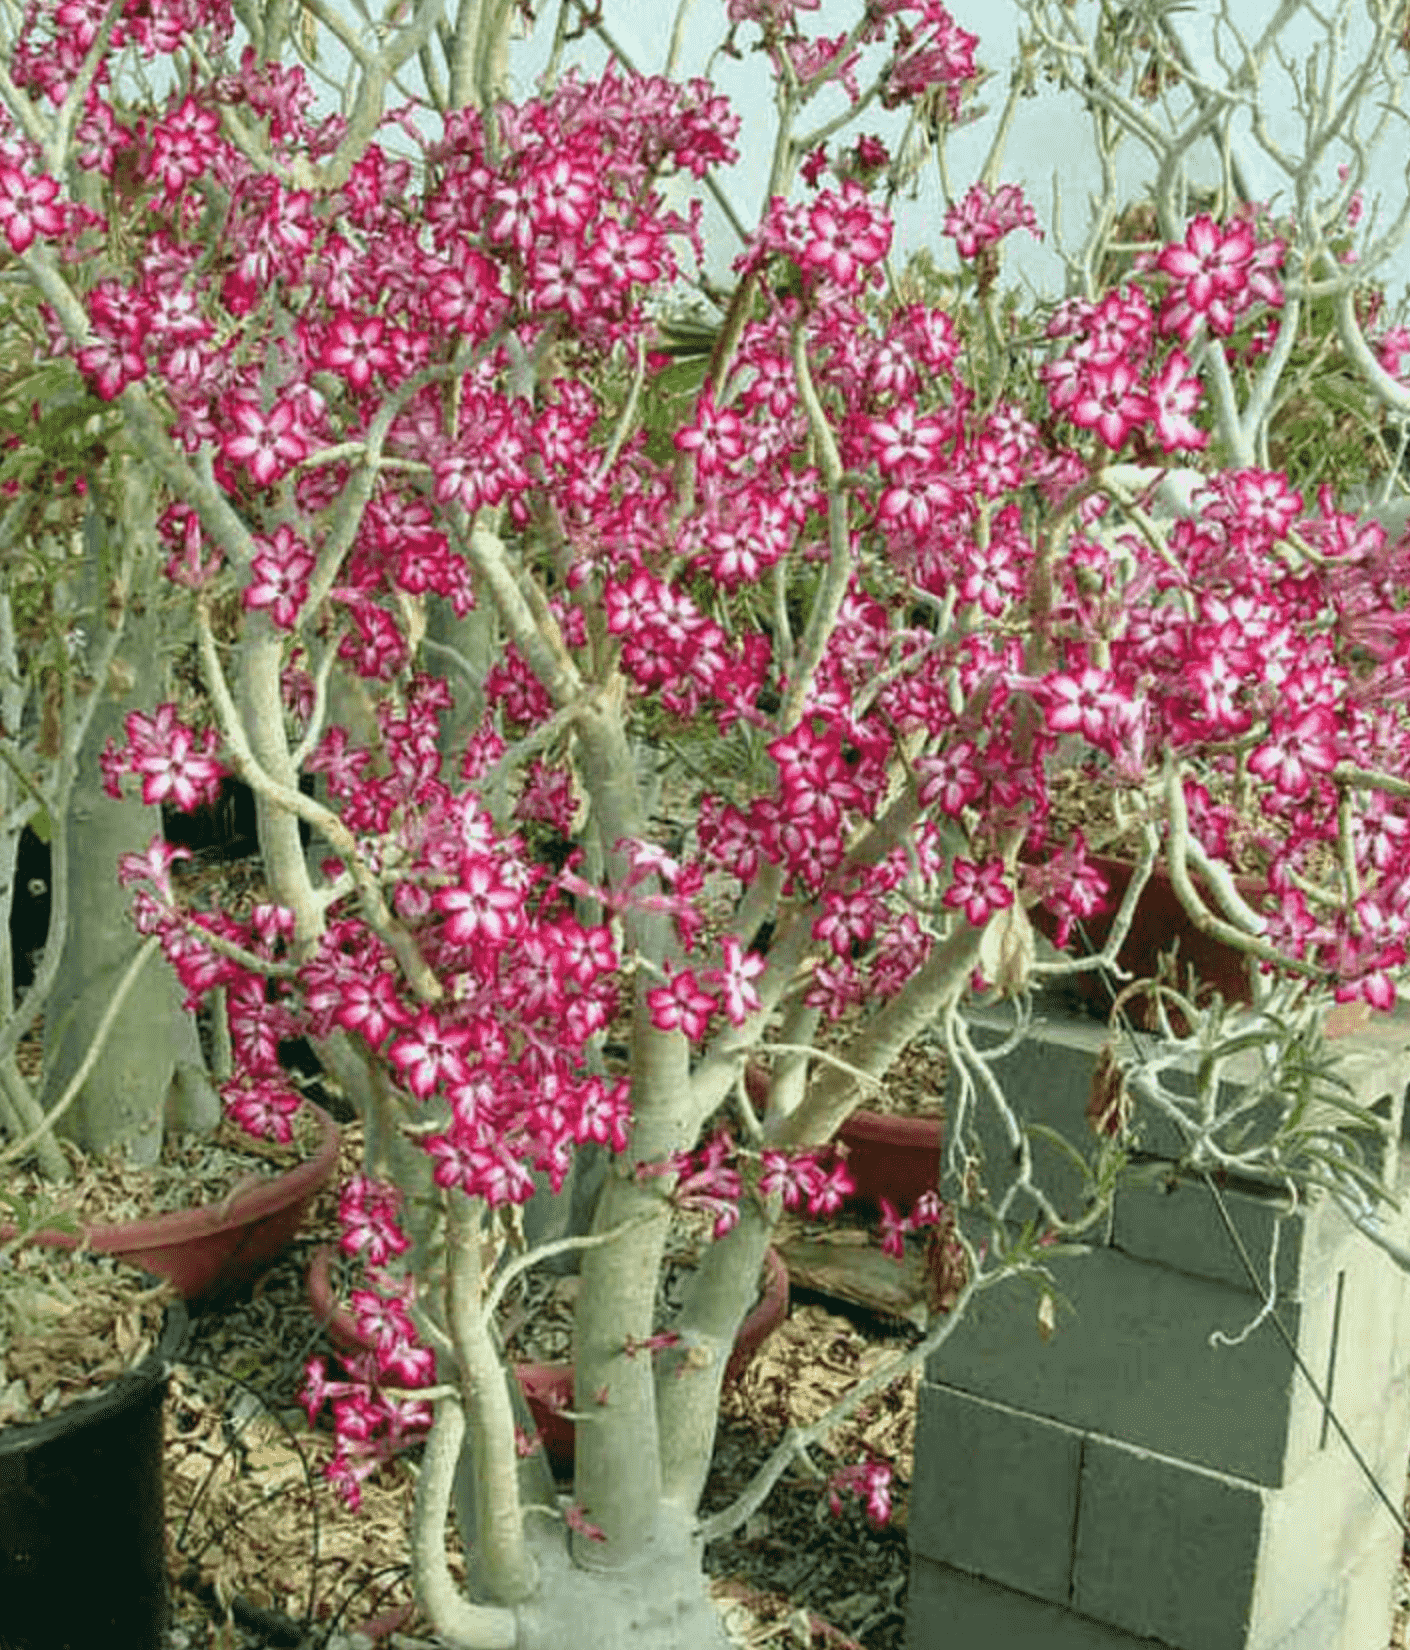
<point>241,1209</point>
<point>890,1128</point>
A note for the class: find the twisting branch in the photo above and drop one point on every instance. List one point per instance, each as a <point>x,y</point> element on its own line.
<point>1204,919</point>
<point>797,1440</point>
<point>467,1626</point>
<point>379,918</point>
<point>827,604</point>
<point>546,1251</point>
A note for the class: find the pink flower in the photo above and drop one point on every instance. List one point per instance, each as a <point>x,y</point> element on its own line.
<point>1215,276</point>
<point>370,1006</point>
<point>1298,747</point>
<point>280,570</point>
<point>265,443</point>
<point>1081,704</point>
<point>604,1114</point>
<point>893,1230</point>
<point>430,1053</point>
<point>735,979</point>
<point>1392,350</point>
<point>1174,393</point>
<point>26,207</point>
<point>789,1175</point>
<point>1111,401</point>
<point>576,1519</point>
<point>829,1190</point>
<point>483,910</point>
<point>982,220</point>
<point>716,437</point>
<point>869,1479</point>
<point>680,1004</point>
<point>110,365</point>
<point>847,235</point>
<point>354,349</point>
<point>177,770</point>
<point>978,890</point>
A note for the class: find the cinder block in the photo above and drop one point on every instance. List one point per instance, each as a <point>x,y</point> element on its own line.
<point>1132,1361</point>
<point>1318,1530</point>
<point>1354,1612</point>
<point>1047,1078</point>
<point>1203,1560</point>
<point>1182,1228</point>
<point>1215,1506</point>
<point>1164,1549</point>
<point>949,1610</point>
<point>999,1492</point>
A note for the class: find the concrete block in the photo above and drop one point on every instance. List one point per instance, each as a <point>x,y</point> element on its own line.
<point>949,1610</point>
<point>1132,1361</point>
<point>1199,1494</point>
<point>1204,1560</point>
<point>1182,1228</point>
<point>1318,1530</point>
<point>1355,1610</point>
<point>1164,1549</point>
<point>999,1492</point>
<point>1046,1078</point>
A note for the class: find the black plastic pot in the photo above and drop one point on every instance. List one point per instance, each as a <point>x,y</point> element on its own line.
<point>82,1526</point>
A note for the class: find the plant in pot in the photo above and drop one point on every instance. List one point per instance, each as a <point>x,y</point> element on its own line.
<point>839,565</point>
<point>100,1058</point>
<point>92,1310</point>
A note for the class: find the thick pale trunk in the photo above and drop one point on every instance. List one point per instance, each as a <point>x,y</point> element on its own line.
<point>152,1073</point>
<point>658,1600</point>
<point>688,1378</point>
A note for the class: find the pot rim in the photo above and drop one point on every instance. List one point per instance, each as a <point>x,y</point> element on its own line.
<point>891,1128</point>
<point>122,1393</point>
<point>177,1226</point>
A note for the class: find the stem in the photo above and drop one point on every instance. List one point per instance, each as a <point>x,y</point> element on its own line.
<point>502,1561</point>
<point>90,1059</point>
<point>464,1625</point>
<point>423,982</point>
<point>797,1439</point>
<point>834,1095</point>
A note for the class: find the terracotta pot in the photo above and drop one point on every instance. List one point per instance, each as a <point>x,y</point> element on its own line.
<point>887,1155</point>
<point>549,1387</point>
<point>891,1157</point>
<point>218,1247</point>
<point>1159,919</point>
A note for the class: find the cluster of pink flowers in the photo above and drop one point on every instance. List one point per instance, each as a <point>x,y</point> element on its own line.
<point>174,764</point>
<point>1236,655</point>
<point>1393,352</point>
<point>982,219</point>
<point>1111,380</point>
<point>1216,276</point>
<point>871,1480</point>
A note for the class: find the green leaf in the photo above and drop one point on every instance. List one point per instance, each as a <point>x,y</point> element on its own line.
<point>1043,1132</point>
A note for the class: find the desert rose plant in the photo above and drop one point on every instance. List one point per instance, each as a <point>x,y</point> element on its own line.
<point>769,671</point>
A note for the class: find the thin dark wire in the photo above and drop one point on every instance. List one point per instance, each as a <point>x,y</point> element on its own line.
<point>1322,1398</point>
<point>225,1375</point>
<point>1328,1411</point>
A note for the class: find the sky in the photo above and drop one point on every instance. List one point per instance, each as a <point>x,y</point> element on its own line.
<point>1051,133</point>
